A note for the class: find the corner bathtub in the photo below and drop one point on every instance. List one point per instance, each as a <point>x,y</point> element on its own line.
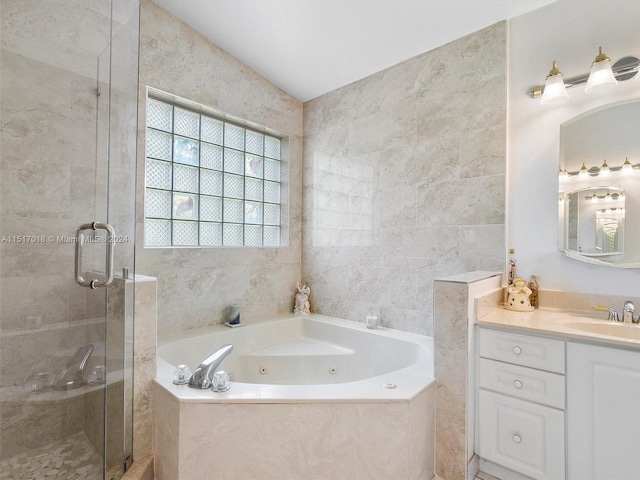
<point>311,397</point>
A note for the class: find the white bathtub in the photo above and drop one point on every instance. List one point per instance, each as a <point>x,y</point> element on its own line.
<point>310,398</point>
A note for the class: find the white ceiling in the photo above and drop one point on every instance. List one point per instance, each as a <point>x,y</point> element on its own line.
<point>310,47</point>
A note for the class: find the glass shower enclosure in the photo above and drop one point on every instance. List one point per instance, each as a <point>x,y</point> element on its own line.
<point>68,108</point>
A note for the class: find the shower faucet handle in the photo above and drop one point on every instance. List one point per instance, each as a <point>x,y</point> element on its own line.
<point>73,375</point>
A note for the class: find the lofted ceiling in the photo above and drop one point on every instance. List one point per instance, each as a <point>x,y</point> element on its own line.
<point>311,47</point>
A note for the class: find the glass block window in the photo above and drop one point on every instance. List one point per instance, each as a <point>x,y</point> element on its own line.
<point>209,182</point>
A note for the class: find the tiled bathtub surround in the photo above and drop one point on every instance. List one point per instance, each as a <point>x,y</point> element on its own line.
<point>365,441</point>
<point>195,285</point>
<point>404,181</point>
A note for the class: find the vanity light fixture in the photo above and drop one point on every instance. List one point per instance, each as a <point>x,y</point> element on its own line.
<point>627,168</point>
<point>601,76</point>
<point>554,88</point>
<point>563,175</point>
<point>607,197</point>
<point>583,173</point>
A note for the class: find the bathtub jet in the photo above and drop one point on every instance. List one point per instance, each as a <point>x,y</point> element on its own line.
<point>203,376</point>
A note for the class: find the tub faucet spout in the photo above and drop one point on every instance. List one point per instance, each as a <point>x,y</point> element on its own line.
<point>203,376</point>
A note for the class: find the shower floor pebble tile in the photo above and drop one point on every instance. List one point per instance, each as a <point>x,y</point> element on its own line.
<point>73,458</point>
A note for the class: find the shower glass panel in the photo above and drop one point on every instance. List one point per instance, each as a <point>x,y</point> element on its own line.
<point>68,101</point>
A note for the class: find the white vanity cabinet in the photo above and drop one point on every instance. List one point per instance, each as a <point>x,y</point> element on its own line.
<point>603,412</point>
<point>521,400</point>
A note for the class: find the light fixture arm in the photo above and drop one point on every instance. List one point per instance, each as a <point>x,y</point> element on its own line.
<point>623,69</point>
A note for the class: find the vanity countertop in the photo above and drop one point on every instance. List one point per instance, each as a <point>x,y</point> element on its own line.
<point>589,327</point>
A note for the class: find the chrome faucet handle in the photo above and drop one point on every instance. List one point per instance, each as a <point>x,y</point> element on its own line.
<point>220,381</point>
<point>613,315</point>
<point>203,375</point>
<point>627,312</point>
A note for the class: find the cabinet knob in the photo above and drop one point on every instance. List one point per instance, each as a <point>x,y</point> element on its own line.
<point>517,350</point>
<point>517,438</point>
<point>517,383</point>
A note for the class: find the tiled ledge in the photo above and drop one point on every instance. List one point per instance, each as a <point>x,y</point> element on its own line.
<point>141,469</point>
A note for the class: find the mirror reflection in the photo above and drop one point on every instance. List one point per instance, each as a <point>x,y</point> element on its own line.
<point>595,222</point>
<point>599,186</point>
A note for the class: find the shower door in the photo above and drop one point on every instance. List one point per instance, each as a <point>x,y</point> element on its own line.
<point>68,100</point>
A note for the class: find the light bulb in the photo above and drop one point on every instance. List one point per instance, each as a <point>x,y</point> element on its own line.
<point>583,174</point>
<point>604,170</point>
<point>607,198</point>
<point>563,175</point>
<point>601,76</point>
<point>627,168</point>
<point>554,88</point>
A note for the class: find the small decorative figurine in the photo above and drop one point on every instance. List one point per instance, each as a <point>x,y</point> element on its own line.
<point>302,306</point>
<point>518,299</point>
<point>535,289</point>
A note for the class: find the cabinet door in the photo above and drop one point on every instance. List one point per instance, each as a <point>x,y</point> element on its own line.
<point>603,413</point>
<point>523,436</point>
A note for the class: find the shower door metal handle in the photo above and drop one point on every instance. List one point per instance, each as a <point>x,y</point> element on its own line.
<point>80,280</point>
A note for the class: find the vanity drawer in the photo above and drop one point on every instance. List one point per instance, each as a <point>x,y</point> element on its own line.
<point>522,382</point>
<point>527,350</point>
<point>520,435</point>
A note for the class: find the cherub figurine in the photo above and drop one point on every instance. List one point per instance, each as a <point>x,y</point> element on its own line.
<point>301,306</point>
<point>519,296</point>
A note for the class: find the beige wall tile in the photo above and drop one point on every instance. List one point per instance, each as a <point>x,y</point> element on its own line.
<point>432,182</point>
<point>196,285</point>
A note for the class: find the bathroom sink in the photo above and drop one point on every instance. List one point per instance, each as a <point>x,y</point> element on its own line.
<point>610,329</point>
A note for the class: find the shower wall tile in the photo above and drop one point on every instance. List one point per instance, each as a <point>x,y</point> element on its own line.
<point>55,125</point>
<point>144,364</point>
<point>196,285</point>
<point>431,134</point>
<point>53,416</point>
<point>53,299</point>
<point>26,31</point>
<point>48,144</point>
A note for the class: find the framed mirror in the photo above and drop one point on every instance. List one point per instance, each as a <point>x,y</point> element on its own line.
<point>599,186</point>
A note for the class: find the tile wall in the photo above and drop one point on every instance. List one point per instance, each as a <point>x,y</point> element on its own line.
<point>196,285</point>
<point>404,181</point>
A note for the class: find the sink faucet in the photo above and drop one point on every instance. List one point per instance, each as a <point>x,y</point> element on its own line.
<point>203,376</point>
<point>627,312</point>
